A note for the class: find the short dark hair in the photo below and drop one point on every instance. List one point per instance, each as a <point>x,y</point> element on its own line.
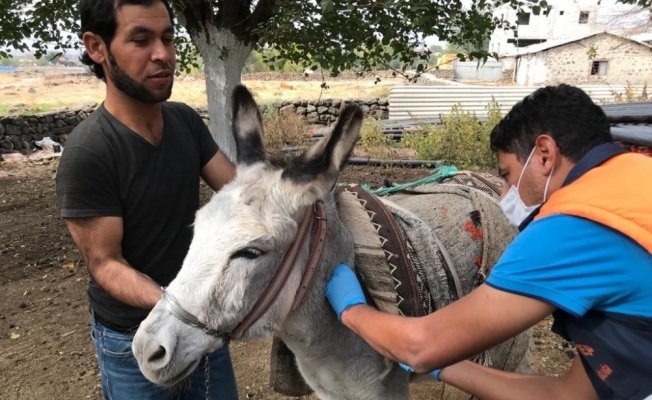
<point>564,112</point>
<point>98,16</point>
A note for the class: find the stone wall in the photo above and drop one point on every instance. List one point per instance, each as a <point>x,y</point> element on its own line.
<point>628,62</point>
<point>327,111</point>
<point>316,76</point>
<point>19,133</point>
<point>323,111</point>
<point>344,76</point>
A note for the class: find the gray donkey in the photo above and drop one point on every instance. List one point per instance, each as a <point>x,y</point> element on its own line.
<point>249,273</point>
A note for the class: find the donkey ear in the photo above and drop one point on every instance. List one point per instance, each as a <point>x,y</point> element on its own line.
<point>247,127</point>
<point>318,169</point>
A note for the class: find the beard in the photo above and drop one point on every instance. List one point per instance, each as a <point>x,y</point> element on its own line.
<point>134,89</point>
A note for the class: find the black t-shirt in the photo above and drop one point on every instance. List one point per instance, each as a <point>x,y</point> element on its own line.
<point>106,169</point>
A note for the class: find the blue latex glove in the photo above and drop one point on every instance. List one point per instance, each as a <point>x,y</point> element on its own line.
<point>343,290</point>
<point>434,373</point>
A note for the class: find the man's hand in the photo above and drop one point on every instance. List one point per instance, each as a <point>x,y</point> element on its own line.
<point>343,290</point>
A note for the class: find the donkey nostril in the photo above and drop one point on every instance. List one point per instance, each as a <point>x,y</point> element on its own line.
<point>158,354</point>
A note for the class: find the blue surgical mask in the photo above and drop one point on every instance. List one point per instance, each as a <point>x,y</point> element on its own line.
<point>515,210</point>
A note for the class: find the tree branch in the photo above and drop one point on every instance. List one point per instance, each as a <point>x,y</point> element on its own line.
<point>263,12</point>
<point>198,14</point>
<point>233,15</point>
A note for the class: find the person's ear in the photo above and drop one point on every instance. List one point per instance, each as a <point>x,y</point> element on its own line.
<point>95,47</point>
<point>549,151</point>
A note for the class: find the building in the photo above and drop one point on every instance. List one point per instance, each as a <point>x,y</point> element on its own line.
<point>563,19</point>
<point>600,58</point>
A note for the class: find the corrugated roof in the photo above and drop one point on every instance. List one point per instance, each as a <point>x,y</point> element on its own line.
<point>535,48</point>
<point>642,37</point>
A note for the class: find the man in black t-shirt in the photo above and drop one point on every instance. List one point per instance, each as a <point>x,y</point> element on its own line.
<point>128,189</point>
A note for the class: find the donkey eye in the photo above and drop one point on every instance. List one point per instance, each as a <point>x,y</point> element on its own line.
<point>249,253</point>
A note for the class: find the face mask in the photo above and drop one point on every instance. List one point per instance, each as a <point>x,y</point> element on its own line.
<point>515,210</point>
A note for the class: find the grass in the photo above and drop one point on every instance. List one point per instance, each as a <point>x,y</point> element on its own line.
<point>30,109</point>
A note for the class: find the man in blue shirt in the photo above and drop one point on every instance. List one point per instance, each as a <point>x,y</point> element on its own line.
<point>584,254</point>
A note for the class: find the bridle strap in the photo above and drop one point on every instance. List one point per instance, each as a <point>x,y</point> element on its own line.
<point>189,319</point>
<point>278,280</point>
<point>317,242</point>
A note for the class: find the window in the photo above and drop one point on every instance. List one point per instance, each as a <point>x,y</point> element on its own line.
<point>584,17</point>
<point>599,68</point>
<point>561,13</point>
<point>523,19</point>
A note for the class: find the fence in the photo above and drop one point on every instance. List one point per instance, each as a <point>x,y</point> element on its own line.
<point>424,102</point>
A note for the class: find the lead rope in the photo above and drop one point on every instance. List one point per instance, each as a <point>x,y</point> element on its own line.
<point>207,370</point>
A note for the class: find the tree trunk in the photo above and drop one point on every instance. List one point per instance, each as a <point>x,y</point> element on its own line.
<point>224,57</point>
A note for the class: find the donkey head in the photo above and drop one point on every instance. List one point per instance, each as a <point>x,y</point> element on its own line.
<point>240,238</point>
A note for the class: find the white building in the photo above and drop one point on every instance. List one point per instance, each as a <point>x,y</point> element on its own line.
<point>566,19</point>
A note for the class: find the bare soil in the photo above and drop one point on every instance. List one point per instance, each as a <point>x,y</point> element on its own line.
<point>45,348</point>
<point>44,89</point>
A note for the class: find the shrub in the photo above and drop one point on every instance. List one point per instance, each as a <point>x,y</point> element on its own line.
<point>283,131</point>
<point>460,139</point>
<point>373,141</point>
<point>630,95</point>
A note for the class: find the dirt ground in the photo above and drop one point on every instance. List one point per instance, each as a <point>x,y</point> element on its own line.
<point>45,348</point>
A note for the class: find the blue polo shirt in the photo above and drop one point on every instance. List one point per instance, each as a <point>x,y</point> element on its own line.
<point>601,282</point>
<point>578,265</point>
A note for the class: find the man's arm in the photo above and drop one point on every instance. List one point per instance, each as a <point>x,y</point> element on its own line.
<point>489,384</point>
<point>99,240</point>
<point>218,171</point>
<point>476,322</point>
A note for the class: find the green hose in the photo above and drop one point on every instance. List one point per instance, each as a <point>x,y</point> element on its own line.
<point>439,175</point>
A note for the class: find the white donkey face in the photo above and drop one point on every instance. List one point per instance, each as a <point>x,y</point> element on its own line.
<point>240,237</point>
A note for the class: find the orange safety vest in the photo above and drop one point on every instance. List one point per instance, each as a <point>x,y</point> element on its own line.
<point>617,194</point>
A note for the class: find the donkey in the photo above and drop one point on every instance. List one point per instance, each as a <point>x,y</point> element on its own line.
<point>241,236</point>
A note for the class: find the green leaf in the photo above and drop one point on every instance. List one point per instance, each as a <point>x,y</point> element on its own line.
<point>14,336</point>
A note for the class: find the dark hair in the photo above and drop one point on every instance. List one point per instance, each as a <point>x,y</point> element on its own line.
<point>564,112</point>
<point>98,16</point>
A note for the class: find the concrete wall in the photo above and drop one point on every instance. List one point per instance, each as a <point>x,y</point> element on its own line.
<point>473,70</point>
<point>628,62</point>
<point>19,133</point>
<point>561,23</point>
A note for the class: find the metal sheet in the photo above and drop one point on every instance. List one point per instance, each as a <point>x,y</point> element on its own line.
<point>635,134</point>
<point>409,102</point>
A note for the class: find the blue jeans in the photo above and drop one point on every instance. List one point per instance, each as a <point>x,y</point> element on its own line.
<point>122,380</point>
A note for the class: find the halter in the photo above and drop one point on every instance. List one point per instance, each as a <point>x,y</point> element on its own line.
<point>316,213</point>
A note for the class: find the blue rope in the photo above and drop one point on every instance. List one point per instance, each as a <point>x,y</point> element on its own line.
<point>439,175</point>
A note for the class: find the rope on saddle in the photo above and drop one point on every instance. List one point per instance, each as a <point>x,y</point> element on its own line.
<point>476,181</point>
<point>437,176</point>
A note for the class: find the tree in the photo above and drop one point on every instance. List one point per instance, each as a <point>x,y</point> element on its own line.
<point>325,34</point>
